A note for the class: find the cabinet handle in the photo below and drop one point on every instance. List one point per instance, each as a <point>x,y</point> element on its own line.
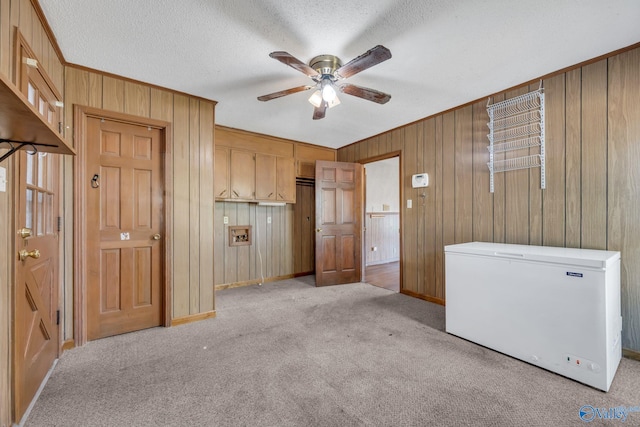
<point>236,194</point>
<point>270,194</point>
<point>281,196</point>
<point>222,192</point>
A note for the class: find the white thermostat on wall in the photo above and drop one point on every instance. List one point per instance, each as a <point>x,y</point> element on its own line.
<point>420,180</point>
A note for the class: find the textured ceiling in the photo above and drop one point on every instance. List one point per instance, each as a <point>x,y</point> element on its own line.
<point>445,53</point>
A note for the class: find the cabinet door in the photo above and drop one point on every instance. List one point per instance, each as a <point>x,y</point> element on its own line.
<point>286,175</point>
<point>243,175</point>
<point>265,177</point>
<point>221,174</point>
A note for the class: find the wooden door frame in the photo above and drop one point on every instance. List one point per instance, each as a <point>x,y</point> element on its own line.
<point>81,114</point>
<point>385,156</point>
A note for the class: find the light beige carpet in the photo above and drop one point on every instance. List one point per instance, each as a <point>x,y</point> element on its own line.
<point>290,354</point>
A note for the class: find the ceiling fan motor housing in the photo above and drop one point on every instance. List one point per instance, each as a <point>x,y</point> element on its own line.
<point>325,64</point>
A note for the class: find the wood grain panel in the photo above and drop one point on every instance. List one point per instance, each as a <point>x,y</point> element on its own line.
<point>382,234</point>
<point>428,208</point>
<point>482,197</point>
<point>230,258</point>
<point>243,253</point>
<point>535,195</point>
<point>573,184</point>
<point>5,40</point>
<point>410,215</point>
<point>463,174</point>
<point>594,155</point>
<point>439,220</point>
<point>194,204</point>
<point>76,92</point>
<point>94,90</point>
<point>161,105</point>
<point>624,192</point>
<point>181,205</point>
<point>559,187</point>
<point>516,194</point>
<point>112,94</point>
<point>421,201</point>
<point>499,194</point>
<point>206,206</point>
<point>136,99</point>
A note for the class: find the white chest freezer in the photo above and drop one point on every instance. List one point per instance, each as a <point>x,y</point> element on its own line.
<point>556,308</point>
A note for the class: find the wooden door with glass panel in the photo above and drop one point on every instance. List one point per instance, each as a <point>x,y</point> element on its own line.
<point>36,314</point>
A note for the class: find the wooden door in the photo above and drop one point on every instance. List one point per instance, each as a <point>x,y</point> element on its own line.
<point>124,227</point>
<point>338,223</point>
<point>36,329</point>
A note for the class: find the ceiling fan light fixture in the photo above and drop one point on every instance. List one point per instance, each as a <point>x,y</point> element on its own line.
<point>316,98</point>
<point>328,91</point>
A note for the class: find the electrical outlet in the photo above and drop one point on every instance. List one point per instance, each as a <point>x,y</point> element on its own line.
<point>409,203</point>
<point>3,179</point>
<point>225,219</point>
<point>268,220</point>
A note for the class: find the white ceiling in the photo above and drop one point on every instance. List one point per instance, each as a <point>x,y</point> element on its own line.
<point>445,52</point>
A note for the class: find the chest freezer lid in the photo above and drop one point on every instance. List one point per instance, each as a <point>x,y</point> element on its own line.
<point>570,256</point>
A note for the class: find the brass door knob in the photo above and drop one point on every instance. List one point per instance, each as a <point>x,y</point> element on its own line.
<point>24,232</point>
<point>24,254</point>
<point>156,236</point>
<point>318,230</point>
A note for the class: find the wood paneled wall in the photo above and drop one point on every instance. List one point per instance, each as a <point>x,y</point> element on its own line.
<point>192,123</point>
<point>20,14</point>
<point>270,254</point>
<point>382,237</point>
<point>592,195</point>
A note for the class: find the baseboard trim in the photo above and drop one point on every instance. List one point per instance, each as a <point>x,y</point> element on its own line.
<point>253,282</point>
<point>630,354</point>
<point>68,345</point>
<point>193,318</point>
<point>423,297</point>
<point>308,273</point>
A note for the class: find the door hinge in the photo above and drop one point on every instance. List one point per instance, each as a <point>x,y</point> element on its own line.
<point>59,223</point>
<point>57,317</point>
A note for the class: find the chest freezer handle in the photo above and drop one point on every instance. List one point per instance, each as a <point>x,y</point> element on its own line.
<point>509,254</point>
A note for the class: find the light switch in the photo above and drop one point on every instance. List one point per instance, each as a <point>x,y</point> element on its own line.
<point>409,203</point>
<point>225,219</point>
<point>268,220</point>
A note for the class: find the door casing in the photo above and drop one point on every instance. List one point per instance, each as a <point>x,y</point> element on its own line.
<point>81,114</point>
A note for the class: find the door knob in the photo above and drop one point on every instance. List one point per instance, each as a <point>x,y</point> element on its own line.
<point>156,236</point>
<point>24,254</point>
<point>24,232</point>
<point>318,229</point>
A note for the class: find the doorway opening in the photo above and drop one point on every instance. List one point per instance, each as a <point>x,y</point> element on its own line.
<point>382,248</point>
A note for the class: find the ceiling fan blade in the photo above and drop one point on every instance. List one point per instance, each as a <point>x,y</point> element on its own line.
<point>281,93</point>
<point>368,59</point>
<point>319,112</point>
<point>366,93</point>
<point>288,59</point>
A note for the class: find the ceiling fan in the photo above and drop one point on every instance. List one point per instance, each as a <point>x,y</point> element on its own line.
<point>326,71</point>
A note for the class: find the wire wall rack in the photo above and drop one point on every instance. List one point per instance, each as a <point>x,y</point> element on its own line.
<point>517,124</point>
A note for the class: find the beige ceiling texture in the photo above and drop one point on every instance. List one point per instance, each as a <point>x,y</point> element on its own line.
<point>445,52</point>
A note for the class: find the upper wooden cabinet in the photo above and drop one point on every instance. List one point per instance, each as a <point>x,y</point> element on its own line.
<point>286,180</point>
<point>252,167</point>
<point>266,177</point>
<point>221,185</point>
<point>306,156</point>
<point>242,166</point>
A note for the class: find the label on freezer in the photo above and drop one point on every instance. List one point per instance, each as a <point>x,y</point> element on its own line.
<point>572,274</point>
